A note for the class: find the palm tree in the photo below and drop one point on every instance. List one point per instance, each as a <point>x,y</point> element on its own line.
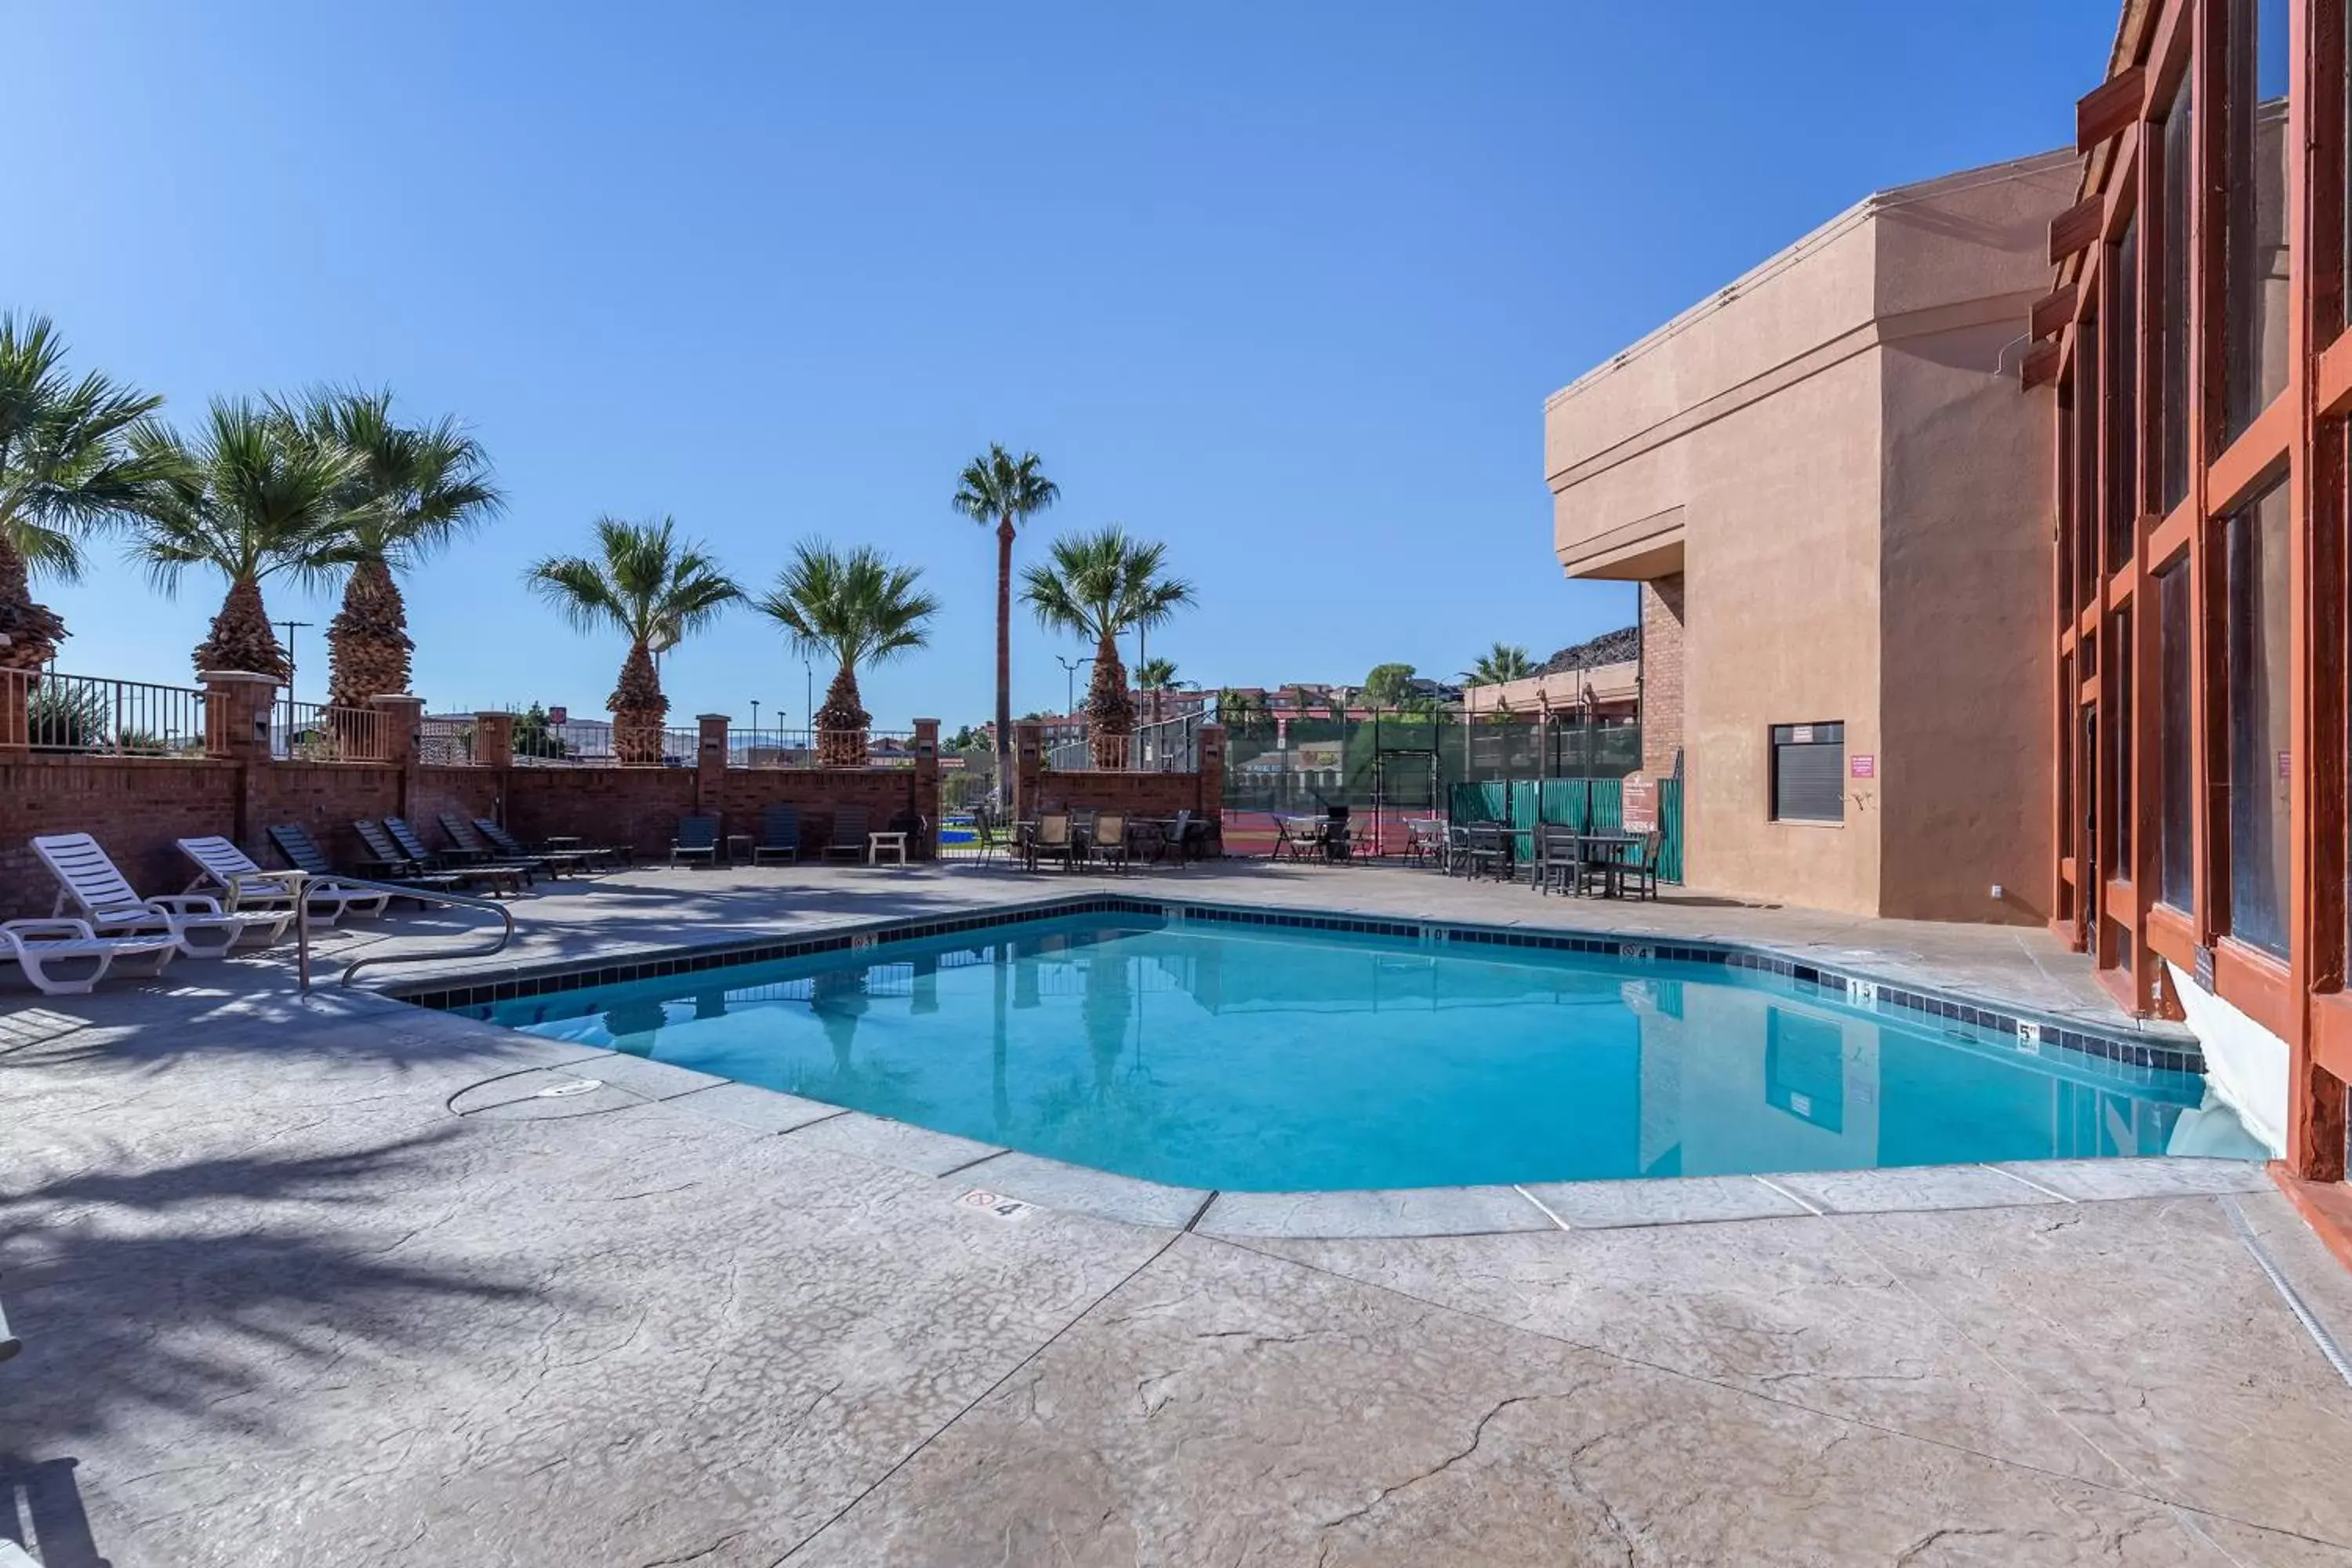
<point>999,488</point>
<point>65,467</point>
<point>416,489</point>
<point>249,496</point>
<point>857,607</point>
<point>1504,661</point>
<point>653,589</point>
<point>1155,676</point>
<point>1098,585</point>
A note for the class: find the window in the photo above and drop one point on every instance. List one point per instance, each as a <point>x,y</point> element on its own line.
<point>2261,755</point>
<point>2255,236</point>
<point>2176,755</point>
<point>2172,307</point>
<point>2086,542</point>
<point>1809,772</point>
<point>2119,777</point>
<point>2123,418</point>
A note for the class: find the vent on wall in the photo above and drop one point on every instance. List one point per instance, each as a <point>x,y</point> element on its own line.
<point>1809,772</point>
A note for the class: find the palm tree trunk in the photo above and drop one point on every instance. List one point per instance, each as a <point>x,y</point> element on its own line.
<point>638,708</point>
<point>1110,712</point>
<point>29,633</point>
<point>1005,660</point>
<point>840,724</point>
<point>242,637</point>
<point>368,645</point>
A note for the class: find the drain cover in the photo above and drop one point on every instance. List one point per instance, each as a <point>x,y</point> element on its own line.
<point>577,1086</point>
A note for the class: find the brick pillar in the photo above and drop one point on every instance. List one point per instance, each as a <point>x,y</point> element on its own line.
<point>1212,782</point>
<point>1662,674</point>
<point>1028,759</point>
<point>16,710</point>
<point>494,740</point>
<point>710,761</point>
<point>237,708</point>
<point>926,782</point>
<point>402,716</point>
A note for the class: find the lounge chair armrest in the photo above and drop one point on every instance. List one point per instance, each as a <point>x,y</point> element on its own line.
<point>59,927</point>
<point>184,904</point>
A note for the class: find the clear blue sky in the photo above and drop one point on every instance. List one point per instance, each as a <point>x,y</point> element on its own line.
<point>1284,285</point>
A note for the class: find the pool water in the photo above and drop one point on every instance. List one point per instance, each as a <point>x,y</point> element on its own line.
<point>1259,1059</point>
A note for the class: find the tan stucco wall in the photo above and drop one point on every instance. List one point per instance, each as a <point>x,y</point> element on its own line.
<point>1966,555</point>
<point>1858,507</point>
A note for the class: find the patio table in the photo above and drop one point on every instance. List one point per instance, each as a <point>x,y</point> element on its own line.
<point>1606,848</point>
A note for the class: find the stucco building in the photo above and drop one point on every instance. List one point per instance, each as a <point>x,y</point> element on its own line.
<point>1837,506</point>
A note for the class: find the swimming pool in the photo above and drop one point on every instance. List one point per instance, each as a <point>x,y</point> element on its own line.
<point>1225,1056</point>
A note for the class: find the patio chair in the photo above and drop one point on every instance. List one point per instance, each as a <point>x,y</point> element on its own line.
<point>1304,838</point>
<point>87,879</point>
<point>1639,875</point>
<point>589,857</point>
<point>697,838</point>
<point>466,840</point>
<point>1338,843</point>
<point>222,865</point>
<point>779,835</point>
<point>986,831</point>
<point>849,836</point>
<point>1107,843</point>
<point>1056,839</point>
<point>496,876</point>
<point>1560,860</point>
<point>34,945</point>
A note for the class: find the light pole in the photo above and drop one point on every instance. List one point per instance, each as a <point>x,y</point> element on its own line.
<point>755,728</point>
<point>1070,696</point>
<point>292,627</point>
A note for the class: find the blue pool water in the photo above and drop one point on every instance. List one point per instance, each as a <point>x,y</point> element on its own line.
<point>1249,1058</point>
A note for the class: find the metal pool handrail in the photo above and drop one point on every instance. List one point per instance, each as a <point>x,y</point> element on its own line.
<point>296,884</point>
<point>466,900</point>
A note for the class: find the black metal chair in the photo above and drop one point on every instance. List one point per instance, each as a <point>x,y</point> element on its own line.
<point>697,838</point>
<point>507,844</point>
<point>1338,844</point>
<point>779,835</point>
<point>849,833</point>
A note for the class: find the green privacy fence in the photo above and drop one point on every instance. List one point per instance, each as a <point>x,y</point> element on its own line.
<point>1580,804</point>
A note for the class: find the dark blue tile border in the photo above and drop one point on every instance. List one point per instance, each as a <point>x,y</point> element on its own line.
<point>2128,1054</point>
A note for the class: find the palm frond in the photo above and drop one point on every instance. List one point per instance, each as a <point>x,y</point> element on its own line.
<point>997,487</point>
<point>1101,583</point>
<point>860,607</point>
<point>63,466</point>
<point>639,579</point>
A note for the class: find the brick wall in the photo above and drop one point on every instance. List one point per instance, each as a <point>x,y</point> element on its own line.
<point>1662,674</point>
<point>1138,794</point>
<point>138,806</point>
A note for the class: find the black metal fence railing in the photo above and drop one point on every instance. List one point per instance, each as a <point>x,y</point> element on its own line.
<point>95,715</point>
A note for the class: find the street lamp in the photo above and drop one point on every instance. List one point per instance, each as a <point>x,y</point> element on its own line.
<point>755,727</point>
<point>1070,698</point>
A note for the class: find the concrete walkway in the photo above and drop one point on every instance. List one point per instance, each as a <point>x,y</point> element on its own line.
<point>282,1305</point>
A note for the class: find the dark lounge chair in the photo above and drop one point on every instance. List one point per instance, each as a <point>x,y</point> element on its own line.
<point>849,836</point>
<point>779,835</point>
<point>469,844</point>
<point>493,875</point>
<point>384,862</point>
<point>697,838</point>
<point>590,856</point>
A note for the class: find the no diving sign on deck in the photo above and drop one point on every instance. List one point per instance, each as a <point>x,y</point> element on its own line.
<point>996,1205</point>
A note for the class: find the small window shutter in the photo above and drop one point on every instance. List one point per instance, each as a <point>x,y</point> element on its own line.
<point>1807,781</point>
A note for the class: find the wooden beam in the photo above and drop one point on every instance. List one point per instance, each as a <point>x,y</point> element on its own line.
<point>2039,366</point>
<point>2077,228</point>
<point>2053,310</point>
<point>2103,111</point>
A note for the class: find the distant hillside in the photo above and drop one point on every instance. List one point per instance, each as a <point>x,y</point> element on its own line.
<point>1619,646</point>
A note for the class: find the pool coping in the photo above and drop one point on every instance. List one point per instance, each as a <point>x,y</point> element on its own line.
<point>1008,1183</point>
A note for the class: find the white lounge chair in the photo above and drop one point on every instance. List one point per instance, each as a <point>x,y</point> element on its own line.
<point>87,878</point>
<point>223,865</point>
<point>34,945</point>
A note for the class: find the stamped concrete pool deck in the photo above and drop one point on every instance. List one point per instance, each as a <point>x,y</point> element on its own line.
<point>327,1279</point>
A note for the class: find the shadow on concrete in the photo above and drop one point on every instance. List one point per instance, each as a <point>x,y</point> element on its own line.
<point>220,1291</point>
<point>41,1510</point>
